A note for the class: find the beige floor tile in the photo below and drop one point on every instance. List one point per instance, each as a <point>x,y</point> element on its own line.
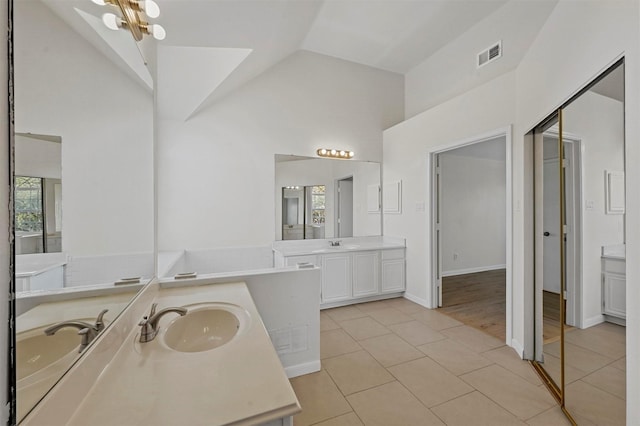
<point>435,320</point>
<point>454,356</point>
<point>510,391</point>
<point>509,359</point>
<point>350,419</point>
<point>391,405</point>
<point>477,340</point>
<point>620,364</point>
<point>552,417</point>
<point>609,379</point>
<point>474,409</point>
<point>429,382</point>
<point>579,357</point>
<point>390,349</point>
<point>319,397</point>
<point>373,306</point>
<point>389,316</point>
<point>344,313</point>
<point>326,323</point>
<point>600,339</point>
<point>336,342</point>
<point>552,366</point>
<point>364,328</point>
<point>356,372</point>
<point>416,333</point>
<point>586,401</point>
<point>404,305</point>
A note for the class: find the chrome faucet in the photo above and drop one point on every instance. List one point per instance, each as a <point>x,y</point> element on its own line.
<point>335,243</point>
<point>149,323</point>
<point>87,331</point>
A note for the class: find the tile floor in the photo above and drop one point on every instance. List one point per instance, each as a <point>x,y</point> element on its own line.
<point>394,363</point>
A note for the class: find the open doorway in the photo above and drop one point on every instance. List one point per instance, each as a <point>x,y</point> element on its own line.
<point>471,223</point>
<point>344,217</point>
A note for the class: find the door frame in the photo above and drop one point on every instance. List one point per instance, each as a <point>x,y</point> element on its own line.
<point>435,262</point>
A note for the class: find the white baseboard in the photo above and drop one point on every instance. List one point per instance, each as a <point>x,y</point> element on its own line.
<point>594,320</point>
<point>473,270</point>
<point>302,369</point>
<point>518,347</point>
<point>418,300</point>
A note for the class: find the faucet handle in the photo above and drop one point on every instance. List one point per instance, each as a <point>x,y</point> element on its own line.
<point>153,310</point>
<point>99,324</point>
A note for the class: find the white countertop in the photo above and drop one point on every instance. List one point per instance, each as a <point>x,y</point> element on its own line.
<point>241,382</point>
<point>315,247</point>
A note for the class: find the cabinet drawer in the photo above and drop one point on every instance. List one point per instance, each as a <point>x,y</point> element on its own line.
<point>294,260</point>
<point>393,254</point>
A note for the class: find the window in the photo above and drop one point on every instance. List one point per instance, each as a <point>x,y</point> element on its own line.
<point>28,204</point>
<point>318,204</point>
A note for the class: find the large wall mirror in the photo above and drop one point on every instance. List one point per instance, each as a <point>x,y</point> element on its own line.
<point>83,178</point>
<point>580,252</point>
<point>323,198</point>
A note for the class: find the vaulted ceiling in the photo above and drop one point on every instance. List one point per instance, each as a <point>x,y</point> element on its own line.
<point>246,37</point>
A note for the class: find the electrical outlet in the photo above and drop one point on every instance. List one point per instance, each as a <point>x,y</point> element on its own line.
<point>455,255</point>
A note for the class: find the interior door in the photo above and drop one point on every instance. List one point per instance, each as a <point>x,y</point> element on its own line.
<point>345,207</point>
<point>551,219</point>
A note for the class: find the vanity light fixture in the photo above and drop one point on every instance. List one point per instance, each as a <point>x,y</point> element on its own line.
<point>133,16</point>
<point>335,153</point>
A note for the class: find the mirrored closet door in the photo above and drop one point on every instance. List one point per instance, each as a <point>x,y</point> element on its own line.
<point>580,252</point>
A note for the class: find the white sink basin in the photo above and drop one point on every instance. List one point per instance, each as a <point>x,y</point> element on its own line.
<point>206,327</point>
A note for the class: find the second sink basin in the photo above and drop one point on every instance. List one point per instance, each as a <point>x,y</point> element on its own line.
<point>205,327</point>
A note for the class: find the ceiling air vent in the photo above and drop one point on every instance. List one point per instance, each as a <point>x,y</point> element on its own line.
<point>490,54</point>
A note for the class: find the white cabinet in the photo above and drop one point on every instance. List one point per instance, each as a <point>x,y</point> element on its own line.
<point>353,277</point>
<point>366,273</point>
<point>614,284</point>
<point>393,266</point>
<point>336,277</point>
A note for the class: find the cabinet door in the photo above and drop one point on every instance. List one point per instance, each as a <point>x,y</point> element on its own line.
<point>366,273</point>
<point>393,276</point>
<point>615,295</point>
<point>336,277</point>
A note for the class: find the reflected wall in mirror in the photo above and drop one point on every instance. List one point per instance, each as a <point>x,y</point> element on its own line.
<point>324,198</point>
<point>580,251</point>
<point>83,185</point>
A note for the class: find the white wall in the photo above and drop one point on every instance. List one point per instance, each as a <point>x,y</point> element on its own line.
<point>406,152</point>
<point>216,180</point>
<point>473,216</point>
<point>452,70</point>
<point>37,158</point>
<point>598,122</point>
<point>327,172</point>
<point>5,252</point>
<point>64,87</point>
